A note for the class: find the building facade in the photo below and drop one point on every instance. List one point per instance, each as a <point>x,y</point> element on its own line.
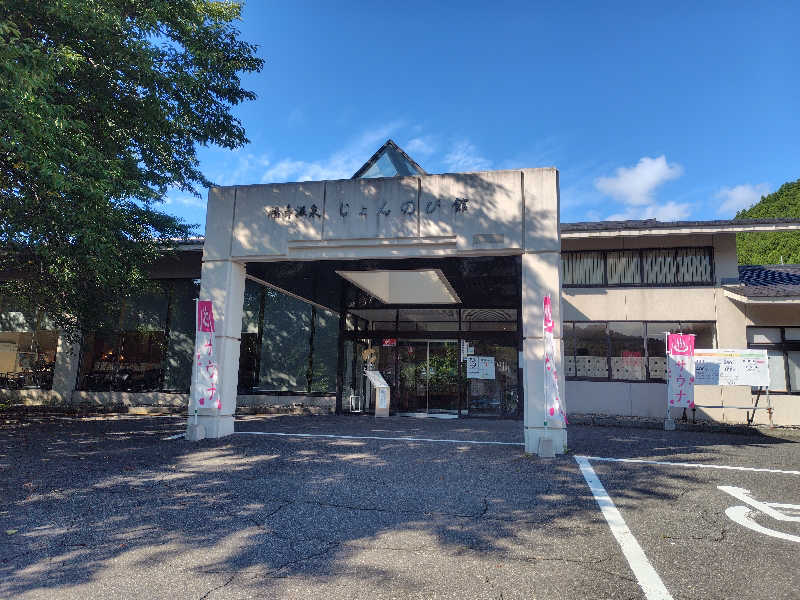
<point>308,279</point>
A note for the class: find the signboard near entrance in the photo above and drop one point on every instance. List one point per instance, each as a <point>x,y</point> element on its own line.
<point>731,367</point>
<point>389,342</point>
<point>382,397</point>
<point>480,367</point>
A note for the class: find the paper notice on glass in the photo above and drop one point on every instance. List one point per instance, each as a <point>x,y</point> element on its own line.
<point>480,367</point>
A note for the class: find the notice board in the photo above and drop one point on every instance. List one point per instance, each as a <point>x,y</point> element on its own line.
<point>724,366</point>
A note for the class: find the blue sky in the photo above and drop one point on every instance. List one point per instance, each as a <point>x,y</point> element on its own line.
<point>683,110</point>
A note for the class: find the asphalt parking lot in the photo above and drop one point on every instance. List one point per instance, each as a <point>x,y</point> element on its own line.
<point>109,508</point>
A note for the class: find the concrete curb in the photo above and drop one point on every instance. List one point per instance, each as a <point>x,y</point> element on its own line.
<point>699,427</point>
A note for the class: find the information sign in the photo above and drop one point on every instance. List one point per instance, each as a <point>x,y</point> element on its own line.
<point>722,366</point>
<point>480,367</point>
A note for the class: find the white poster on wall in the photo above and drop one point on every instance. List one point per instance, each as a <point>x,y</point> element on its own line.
<point>723,366</point>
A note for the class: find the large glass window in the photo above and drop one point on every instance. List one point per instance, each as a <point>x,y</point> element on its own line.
<point>288,346</point>
<point>591,351</point>
<point>647,267</point>
<point>180,335</point>
<point>151,349</point>
<point>783,350</point>
<point>27,358</point>
<point>625,350</point>
<point>132,358</point>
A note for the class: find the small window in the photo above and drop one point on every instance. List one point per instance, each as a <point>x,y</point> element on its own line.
<point>793,360</point>
<point>583,268</point>
<point>792,334</point>
<point>777,370</point>
<point>763,335</point>
<point>623,267</point>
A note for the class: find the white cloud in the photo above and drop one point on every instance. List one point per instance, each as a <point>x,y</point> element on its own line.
<point>339,165</point>
<point>635,185</point>
<point>245,168</point>
<point>191,201</point>
<point>420,146</point>
<point>635,188</point>
<point>464,156</point>
<point>739,197</point>
<point>667,211</point>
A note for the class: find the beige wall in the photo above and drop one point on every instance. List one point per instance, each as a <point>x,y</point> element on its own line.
<point>675,304</point>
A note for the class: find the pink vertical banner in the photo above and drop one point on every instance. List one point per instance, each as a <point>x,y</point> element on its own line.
<point>205,316</point>
<point>554,407</point>
<point>204,390</point>
<point>680,370</point>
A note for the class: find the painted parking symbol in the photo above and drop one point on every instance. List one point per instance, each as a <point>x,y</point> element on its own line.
<point>778,511</point>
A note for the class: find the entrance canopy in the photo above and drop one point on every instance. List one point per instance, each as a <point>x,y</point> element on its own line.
<point>391,286</point>
<point>457,263</point>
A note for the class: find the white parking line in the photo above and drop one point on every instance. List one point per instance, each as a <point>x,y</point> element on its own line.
<point>375,437</point>
<point>646,575</point>
<point>694,465</point>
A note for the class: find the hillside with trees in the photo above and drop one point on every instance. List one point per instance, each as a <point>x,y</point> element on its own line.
<point>772,248</point>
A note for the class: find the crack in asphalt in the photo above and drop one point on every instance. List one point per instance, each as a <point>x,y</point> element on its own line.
<point>219,587</point>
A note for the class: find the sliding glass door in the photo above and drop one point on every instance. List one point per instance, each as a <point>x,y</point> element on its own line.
<point>429,376</point>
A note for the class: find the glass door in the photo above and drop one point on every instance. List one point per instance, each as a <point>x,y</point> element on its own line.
<point>443,378</point>
<point>428,381</point>
<point>412,389</point>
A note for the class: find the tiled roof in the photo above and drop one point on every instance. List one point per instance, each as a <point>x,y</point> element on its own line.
<point>767,281</point>
<point>655,224</point>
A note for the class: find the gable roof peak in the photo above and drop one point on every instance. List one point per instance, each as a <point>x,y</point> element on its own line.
<point>390,160</point>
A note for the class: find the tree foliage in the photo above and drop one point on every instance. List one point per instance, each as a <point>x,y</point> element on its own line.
<point>102,105</point>
<point>771,248</point>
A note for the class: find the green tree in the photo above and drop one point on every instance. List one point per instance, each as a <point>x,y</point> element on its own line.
<point>771,248</point>
<point>102,106</point>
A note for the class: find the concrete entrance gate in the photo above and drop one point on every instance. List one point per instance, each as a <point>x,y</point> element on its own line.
<point>489,213</point>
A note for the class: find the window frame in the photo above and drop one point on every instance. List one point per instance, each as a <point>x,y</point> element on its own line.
<point>643,284</point>
<point>784,347</point>
<point>645,353</point>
